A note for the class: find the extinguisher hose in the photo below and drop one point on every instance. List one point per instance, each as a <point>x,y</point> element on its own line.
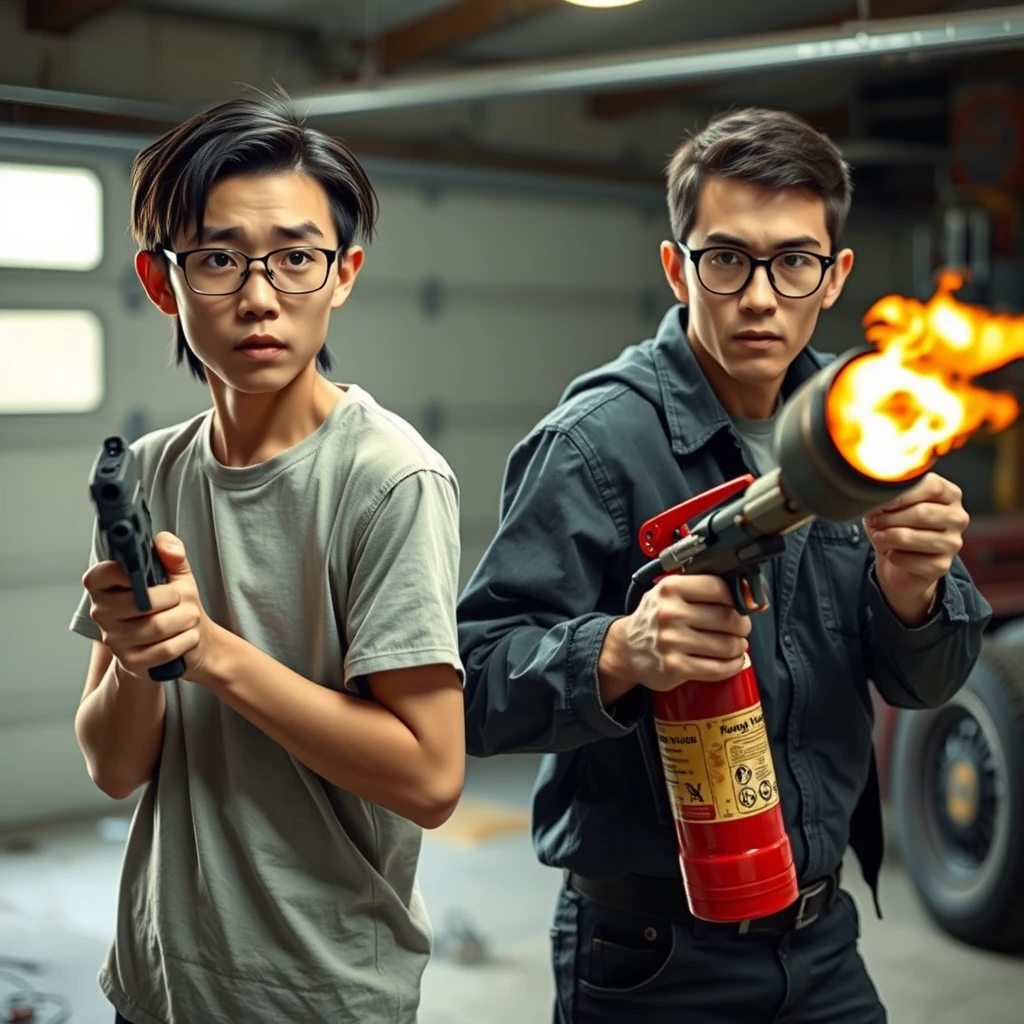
<point>643,579</point>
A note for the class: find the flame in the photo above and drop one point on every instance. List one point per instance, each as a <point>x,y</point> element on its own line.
<point>892,412</point>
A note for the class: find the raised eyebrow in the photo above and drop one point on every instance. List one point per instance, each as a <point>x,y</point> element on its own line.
<point>232,234</point>
<point>299,232</point>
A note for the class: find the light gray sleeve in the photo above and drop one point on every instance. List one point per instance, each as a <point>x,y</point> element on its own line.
<point>80,621</point>
<point>403,579</point>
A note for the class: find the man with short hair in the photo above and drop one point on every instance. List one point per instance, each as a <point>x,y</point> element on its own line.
<point>270,870</point>
<point>757,201</point>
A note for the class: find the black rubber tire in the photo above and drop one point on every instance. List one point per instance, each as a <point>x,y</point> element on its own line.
<point>979,900</point>
<point>1010,634</point>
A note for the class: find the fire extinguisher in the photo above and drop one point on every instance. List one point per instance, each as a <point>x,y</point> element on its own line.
<point>737,862</point>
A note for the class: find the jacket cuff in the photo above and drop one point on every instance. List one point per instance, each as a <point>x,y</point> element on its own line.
<point>948,608</point>
<point>583,686</point>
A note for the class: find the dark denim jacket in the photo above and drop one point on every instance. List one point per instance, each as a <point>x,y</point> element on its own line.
<point>626,442</point>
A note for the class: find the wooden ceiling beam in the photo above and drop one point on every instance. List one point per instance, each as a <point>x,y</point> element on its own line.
<point>64,16</point>
<point>449,27</point>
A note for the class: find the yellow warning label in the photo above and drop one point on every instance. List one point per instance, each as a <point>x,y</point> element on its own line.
<point>718,768</point>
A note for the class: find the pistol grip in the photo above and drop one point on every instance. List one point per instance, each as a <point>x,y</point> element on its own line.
<point>749,591</point>
<point>168,671</point>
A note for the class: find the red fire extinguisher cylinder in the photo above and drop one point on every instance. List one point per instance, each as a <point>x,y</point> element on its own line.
<point>736,859</point>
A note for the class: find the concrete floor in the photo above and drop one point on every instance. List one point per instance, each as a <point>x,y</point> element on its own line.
<point>57,888</point>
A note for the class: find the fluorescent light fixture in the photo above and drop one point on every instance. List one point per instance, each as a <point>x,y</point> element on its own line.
<point>602,3</point>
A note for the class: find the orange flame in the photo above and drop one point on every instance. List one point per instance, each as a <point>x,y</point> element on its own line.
<point>891,413</point>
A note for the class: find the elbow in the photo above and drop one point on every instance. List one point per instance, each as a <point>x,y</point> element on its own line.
<point>110,781</point>
<point>113,786</point>
<point>437,803</point>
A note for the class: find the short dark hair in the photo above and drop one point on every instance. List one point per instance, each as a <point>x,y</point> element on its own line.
<point>770,148</point>
<point>260,134</point>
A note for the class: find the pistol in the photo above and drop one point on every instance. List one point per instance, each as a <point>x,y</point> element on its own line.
<point>126,530</point>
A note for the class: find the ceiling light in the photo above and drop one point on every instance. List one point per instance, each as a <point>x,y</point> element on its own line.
<point>602,3</point>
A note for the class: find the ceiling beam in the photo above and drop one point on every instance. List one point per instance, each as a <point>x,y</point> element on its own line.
<point>63,16</point>
<point>450,26</point>
<point>610,105</point>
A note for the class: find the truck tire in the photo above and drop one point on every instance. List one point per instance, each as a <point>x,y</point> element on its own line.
<point>958,795</point>
<point>1010,634</point>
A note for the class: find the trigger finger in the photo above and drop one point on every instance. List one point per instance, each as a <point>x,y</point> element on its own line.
<point>163,597</point>
<point>743,625</point>
<point>106,575</point>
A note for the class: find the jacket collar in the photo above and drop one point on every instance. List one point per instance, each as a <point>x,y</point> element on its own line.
<point>692,409</point>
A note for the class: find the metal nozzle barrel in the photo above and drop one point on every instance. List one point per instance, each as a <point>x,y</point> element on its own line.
<point>814,475</point>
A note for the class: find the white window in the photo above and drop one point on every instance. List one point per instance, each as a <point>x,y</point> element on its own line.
<point>51,217</point>
<point>51,361</point>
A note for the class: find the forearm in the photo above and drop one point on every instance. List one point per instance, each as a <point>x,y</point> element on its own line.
<point>354,744</point>
<point>120,729</point>
<point>538,690</point>
<point>614,680</point>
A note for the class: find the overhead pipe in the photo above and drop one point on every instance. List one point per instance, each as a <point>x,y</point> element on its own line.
<point>857,42</point>
<point>117,106</point>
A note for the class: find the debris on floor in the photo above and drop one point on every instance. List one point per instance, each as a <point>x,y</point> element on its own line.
<point>460,942</point>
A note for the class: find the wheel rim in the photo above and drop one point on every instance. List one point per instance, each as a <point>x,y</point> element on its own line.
<point>964,803</point>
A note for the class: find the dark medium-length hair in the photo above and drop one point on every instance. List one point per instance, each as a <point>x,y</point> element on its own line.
<point>260,134</point>
<point>770,148</point>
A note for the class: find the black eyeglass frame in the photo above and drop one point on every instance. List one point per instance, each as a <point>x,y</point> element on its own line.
<point>179,258</point>
<point>695,257</point>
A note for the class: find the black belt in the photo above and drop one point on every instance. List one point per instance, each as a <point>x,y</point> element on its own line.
<point>665,897</point>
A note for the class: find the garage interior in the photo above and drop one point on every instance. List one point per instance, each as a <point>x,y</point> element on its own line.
<point>518,148</point>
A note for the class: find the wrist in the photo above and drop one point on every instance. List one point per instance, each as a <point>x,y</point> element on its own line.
<point>215,671</point>
<point>614,675</point>
<point>124,677</point>
<point>914,609</point>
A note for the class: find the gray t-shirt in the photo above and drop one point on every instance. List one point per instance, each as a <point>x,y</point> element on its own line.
<point>252,890</point>
<point>758,435</point>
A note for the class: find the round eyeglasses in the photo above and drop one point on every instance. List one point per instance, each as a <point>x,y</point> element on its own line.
<point>296,270</point>
<point>793,275</point>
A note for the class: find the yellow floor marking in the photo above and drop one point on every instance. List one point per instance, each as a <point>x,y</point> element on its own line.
<point>476,821</point>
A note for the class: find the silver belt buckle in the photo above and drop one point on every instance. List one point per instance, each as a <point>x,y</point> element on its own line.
<point>809,894</point>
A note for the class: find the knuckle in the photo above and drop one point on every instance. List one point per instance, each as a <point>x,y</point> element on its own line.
<point>664,616</point>
<point>674,665</point>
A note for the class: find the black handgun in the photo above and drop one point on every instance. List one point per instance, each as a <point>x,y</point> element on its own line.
<point>126,530</point>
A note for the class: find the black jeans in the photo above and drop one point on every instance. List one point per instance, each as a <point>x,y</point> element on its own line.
<point>612,966</point>
<point>118,1019</point>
